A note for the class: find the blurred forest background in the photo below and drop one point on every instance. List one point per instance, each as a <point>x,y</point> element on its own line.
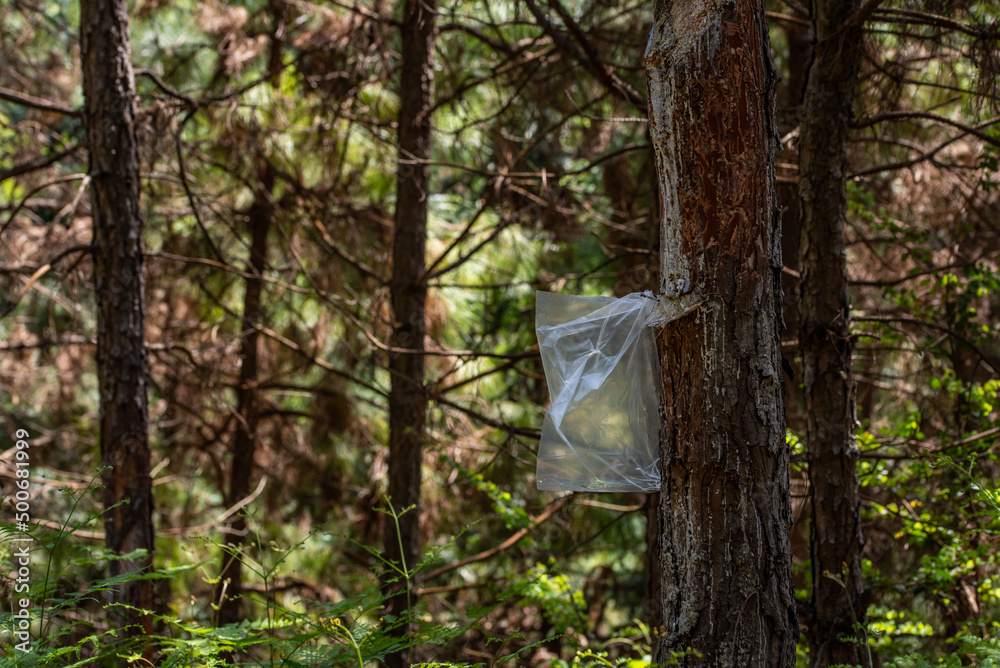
<point>268,147</point>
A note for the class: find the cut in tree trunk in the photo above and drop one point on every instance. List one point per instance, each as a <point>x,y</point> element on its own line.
<point>408,288</point>
<point>259,217</point>
<point>725,510</point>
<point>824,334</point>
<point>122,370</point>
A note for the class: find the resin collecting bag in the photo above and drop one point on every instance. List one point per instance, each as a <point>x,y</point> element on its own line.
<point>601,433</point>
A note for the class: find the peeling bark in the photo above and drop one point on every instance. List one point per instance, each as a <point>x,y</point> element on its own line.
<point>824,334</point>
<point>725,509</point>
<point>122,368</point>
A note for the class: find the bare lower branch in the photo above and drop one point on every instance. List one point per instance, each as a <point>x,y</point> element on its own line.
<point>187,187</point>
<point>911,320</point>
<point>41,162</point>
<point>871,454</point>
<point>45,343</point>
<point>937,118</point>
<point>863,13</point>
<point>915,17</point>
<point>152,76</point>
<point>549,511</point>
<point>596,67</point>
<point>909,277</point>
<point>487,420</point>
<point>925,156</point>
<point>26,100</point>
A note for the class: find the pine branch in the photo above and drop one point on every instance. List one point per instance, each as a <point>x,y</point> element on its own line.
<point>26,100</point>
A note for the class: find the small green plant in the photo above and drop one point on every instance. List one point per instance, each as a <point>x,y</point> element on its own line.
<point>634,649</point>
<point>61,627</point>
<point>70,624</point>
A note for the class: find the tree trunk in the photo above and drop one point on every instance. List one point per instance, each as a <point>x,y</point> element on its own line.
<point>259,217</point>
<point>408,288</point>
<point>824,334</point>
<point>122,370</point>
<point>725,508</point>
<point>789,96</point>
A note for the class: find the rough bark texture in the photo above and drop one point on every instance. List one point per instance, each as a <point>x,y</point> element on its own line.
<point>824,334</point>
<point>109,118</point>
<point>408,287</point>
<point>259,218</point>
<point>725,510</point>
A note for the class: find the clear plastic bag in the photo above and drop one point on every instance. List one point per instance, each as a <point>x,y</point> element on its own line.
<point>601,433</point>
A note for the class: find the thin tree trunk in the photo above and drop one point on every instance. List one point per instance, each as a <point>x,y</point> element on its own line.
<point>122,369</point>
<point>824,334</point>
<point>725,507</point>
<point>259,217</point>
<point>789,95</point>
<point>408,288</point>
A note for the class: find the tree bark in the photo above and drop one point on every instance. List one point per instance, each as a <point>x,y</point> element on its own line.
<point>824,333</point>
<point>407,396</point>
<point>725,508</point>
<point>122,369</point>
<point>259,217</point>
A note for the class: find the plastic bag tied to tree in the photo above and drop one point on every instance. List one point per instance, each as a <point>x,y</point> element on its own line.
<point>601,433</point>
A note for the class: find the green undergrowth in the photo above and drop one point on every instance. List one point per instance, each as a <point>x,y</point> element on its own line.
<point>70,622</point>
